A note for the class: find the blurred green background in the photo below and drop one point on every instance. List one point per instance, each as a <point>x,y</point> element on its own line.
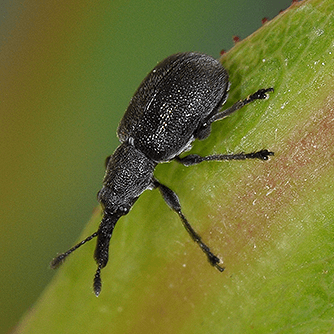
<point>67,72</point>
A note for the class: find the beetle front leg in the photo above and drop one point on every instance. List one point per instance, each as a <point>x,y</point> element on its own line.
<point>173,202</point>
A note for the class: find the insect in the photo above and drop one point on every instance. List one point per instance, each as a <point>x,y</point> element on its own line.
<point>175,104</point>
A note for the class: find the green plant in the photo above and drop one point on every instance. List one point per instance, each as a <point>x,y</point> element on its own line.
<point>271,222</point>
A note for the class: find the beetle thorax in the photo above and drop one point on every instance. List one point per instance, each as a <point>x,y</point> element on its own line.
<point>129,172</point>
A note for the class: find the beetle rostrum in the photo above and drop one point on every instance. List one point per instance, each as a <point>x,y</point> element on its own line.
<point>175,104</point>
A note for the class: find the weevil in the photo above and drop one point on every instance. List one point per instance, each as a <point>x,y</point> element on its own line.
<point>175,104</point>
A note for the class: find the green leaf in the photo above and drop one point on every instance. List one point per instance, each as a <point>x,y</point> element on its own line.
<point>270,221</point>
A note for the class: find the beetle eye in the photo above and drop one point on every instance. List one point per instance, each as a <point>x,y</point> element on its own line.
<point>123,210</point>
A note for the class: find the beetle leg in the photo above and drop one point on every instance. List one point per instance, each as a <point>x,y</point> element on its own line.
<point>173,202</point>
<point>261,94</point>
<point>194,159</point>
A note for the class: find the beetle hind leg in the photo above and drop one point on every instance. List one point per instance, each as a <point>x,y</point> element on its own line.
<point>205,128</point>
<point>261,94</point>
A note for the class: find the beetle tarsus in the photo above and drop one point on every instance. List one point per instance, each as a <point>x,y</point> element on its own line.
<point>262,155</point>
<point>214,260</point>
<point>261,94</point>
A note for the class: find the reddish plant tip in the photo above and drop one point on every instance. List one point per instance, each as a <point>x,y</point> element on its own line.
<point>222,52</point>
<point>236,39</point>
<point>264,20</point>
<point>292,3</point>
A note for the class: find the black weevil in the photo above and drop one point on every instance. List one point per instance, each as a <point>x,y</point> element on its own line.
<point>174,105</point>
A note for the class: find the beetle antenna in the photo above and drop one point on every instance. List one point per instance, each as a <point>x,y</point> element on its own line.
<point>57,261</point>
